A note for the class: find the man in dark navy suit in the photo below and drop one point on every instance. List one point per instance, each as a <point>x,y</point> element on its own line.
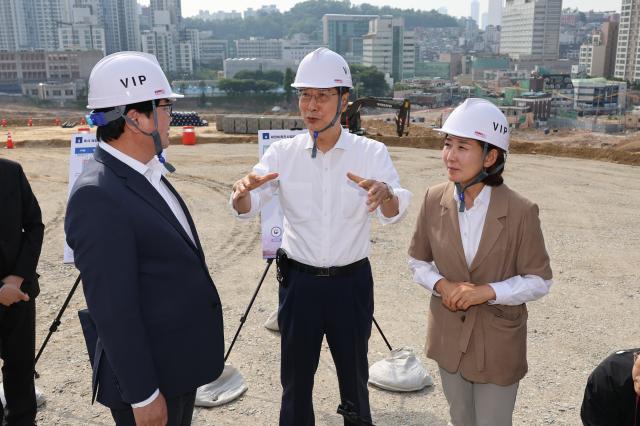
<point>21,234</point>
<point>155,309</point>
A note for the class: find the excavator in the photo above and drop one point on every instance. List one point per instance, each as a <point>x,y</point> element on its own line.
<point>351,116</point>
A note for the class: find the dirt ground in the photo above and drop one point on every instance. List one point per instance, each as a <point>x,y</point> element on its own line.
<point>589,212</point>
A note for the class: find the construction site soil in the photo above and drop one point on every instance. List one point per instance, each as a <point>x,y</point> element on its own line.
<point>589,213</point>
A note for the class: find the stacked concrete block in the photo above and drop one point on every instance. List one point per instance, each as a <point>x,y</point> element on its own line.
<point>228,124</point>
<point>276,123</point>
<point>241,123</point>
<point>264,123</point>
<point>219,118</point>
<point>252,124</point>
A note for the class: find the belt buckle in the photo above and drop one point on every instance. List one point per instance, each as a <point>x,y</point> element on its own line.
<point>323,272</point>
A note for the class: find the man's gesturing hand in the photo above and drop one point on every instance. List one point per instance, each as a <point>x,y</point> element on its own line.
<point>377,192</point>
<point>250,182</point>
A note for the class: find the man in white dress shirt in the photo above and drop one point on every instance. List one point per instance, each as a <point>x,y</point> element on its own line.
<point>154,322</point>
<point>329,181</point>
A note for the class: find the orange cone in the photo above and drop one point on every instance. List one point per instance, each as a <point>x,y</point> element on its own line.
<point>83,122</point>
<point>30,122</point>
<point>9,141</point>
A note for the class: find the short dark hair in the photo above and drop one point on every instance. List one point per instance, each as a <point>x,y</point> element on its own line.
<point>114,129</point>
<point>495,177</point>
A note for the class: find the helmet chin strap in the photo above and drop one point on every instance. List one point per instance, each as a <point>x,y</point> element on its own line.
<point>314,151</point>
<point>476,180</point>
<point>157,141</point>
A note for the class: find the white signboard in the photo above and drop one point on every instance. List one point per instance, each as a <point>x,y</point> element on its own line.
<point>271,214</point>
<point>82,147</point>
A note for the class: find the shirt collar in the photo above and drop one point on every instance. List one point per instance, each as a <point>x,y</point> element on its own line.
<point>483,197</point>
<point>343,141</point>
<point>153,168</point>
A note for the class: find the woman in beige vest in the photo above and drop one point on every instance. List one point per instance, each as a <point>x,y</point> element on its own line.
<point>479,249</point>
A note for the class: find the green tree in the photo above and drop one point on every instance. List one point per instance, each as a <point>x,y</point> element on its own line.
<point>288,79</point>
<point>264,86</point>
<point>306,17</point>
<point>369,81</point>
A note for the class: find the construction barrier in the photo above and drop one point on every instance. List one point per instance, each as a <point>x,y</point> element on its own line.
<point>188,135</point>
<point>9,141</point>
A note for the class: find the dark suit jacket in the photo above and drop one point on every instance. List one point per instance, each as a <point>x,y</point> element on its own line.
<point>156,309</point>
<point>21,228</point>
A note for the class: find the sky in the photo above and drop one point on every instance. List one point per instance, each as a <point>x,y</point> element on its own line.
<point>455,7</point>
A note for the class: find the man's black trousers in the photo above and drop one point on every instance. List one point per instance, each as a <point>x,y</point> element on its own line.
<point>340,307</point>
<point>17,349</point>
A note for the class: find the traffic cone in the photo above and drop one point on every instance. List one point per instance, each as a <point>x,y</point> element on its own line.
<point>56,122</point>
<point>83,122</point>
<point>9,141</point>
<point>30,122</point>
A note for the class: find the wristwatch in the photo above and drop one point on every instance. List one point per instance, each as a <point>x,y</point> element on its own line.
<point>391,193</point>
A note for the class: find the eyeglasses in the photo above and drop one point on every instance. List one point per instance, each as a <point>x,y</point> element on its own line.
<point>321,96</point>
<point>168,108</point>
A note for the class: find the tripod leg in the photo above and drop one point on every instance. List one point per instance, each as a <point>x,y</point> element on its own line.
<point>56,322</point>
<point>382,334</point>
<point>243,318</point>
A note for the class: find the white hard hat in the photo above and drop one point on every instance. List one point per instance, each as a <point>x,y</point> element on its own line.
<point>478,119</point>
<point>125,78</point>
<point>323,69</point>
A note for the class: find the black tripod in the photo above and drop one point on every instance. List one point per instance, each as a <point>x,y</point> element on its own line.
<point>56,322</point>
<point>243,318</point>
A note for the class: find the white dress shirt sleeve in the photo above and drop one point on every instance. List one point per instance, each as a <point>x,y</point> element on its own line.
<point>425,273</point>
<point>386,172</point>
<point>262,195</point>
<point>520,289</point>
<point>147,401</point>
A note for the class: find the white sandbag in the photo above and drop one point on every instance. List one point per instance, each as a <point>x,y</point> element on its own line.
<point>229,386</point>
<point>40,399</point>
<point>272,322</point>
<point>401,371</point>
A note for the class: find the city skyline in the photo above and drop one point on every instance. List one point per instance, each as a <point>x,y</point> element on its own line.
<point>455,7</point>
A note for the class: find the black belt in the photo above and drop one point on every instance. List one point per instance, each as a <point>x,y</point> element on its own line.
<point>331,271</point>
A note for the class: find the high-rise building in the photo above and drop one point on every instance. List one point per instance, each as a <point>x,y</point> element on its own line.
<point>121,25</point>
<point>344,34</point>
<point>628,51</point>
<point>531,29</point>
<point>475,11</point>
<point>177,49</point>
<point>83,32</point>
<point>48,16</point>
<point>494,13</point>
<point>598,55</point>
<point>32,24</point>
<point>389,48</point>
<point>172,7</point>
<point>14,34</point>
